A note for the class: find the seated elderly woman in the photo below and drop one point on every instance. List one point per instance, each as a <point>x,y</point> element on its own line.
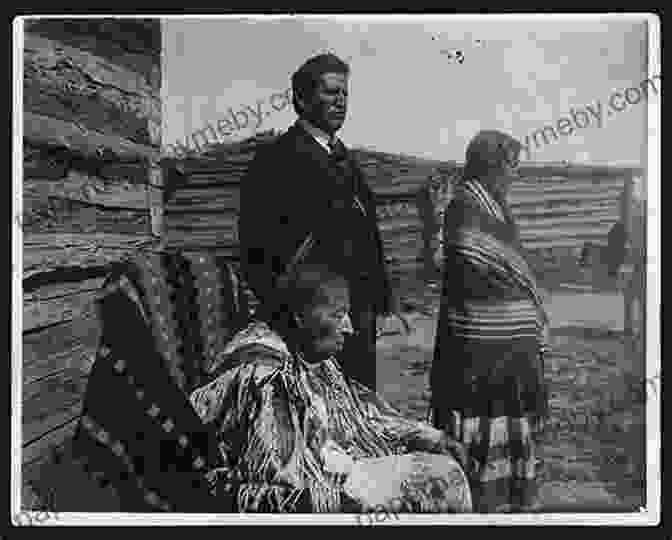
<point>303,437</point>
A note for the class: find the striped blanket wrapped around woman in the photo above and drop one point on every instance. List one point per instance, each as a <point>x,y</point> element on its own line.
<point>487,377</point>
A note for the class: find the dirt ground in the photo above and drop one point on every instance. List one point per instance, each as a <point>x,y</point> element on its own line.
<point>592,453</point>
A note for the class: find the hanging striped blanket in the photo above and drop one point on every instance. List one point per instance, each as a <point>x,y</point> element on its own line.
<point>165,321</point>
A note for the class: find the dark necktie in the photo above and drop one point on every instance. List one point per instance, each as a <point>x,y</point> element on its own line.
<point>337,149</point>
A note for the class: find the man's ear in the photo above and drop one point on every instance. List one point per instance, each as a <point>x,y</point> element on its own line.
<point>303,103</point>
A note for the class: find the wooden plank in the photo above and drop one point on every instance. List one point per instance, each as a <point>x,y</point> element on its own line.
<point>134,173</point>
<point>569,221</point>
<point>520,200</point>
<point>72,217</point>
<point>575,171</point>
<point>57,288</point>
<point>44,54</point>
<point>209,237</point>
<point>565,209</point>
<point>43,130</point>
<point>90,190</point>
<point>575,191</point>
<point>579,233</point>
<point>141,36</point>
<point>51,402</point>
<point>194,201</point>
<point>54,439</point>
<point>155,197</point>
<point>68,345</point>
<point>43,163</point>
<point>49,252</point>
<point>556,243</point>
<point>531,186</point>
<point>54,93</point>
<point>58,310</point>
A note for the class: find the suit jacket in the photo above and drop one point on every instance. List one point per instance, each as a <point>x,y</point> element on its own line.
<point>293,188</point>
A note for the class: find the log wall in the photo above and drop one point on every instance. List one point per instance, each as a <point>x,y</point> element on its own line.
<point>92,113</point>
<point>559,207</point>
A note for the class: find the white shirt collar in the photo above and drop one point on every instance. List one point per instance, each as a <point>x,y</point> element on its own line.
<point>319,135</point>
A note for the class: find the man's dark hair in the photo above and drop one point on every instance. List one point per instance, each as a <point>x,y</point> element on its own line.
<point>307,77</point>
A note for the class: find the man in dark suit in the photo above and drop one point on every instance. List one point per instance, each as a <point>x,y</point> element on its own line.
<point>305,196</point>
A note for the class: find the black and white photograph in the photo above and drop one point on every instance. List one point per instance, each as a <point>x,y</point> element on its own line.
<point>346,269</point>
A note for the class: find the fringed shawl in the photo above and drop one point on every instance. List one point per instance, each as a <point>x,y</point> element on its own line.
<point>282,420</point>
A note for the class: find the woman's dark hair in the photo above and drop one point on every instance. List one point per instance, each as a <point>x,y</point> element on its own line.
<point>307,77</point>
<point>487,153</point>
<point>307,286</point>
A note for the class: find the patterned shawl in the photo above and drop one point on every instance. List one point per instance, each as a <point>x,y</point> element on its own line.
<point>280,420</point>
<point>498,297</point>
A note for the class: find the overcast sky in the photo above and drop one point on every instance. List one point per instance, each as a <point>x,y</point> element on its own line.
<point>420,85</point>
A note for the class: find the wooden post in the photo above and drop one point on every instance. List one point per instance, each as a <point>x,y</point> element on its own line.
<point>626,205</point>
<point>155,197</point>
<point>154,172</point>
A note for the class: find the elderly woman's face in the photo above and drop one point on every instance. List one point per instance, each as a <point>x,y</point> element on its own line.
<point>329,322</point>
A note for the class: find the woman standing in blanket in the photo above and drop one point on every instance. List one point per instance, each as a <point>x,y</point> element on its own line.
<point>487,376</point>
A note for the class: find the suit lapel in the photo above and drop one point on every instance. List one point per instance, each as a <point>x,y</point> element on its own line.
<point>342,184</point>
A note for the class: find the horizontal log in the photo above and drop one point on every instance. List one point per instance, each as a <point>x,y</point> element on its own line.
<point>58,310</point>
<point>558,243</point>
<point>44,164</point>
<point>227,253</point>
<point>52,132</point>
<point>133,173</point>
<point>40,449</point>
<point>599,195</point>
<point>68,217</point>
<point>223,237</point>
<point>571,192</point>
<point>90,190</point>
<point>530,186</point>
<point>577,171</point>
<point>59,288</point>
<point>48,54</point>
<point>53,93</point>
<point>565,232</point>
<point>142,36</point>
<point>68,345</point>
<point>565,209</point>
<point>569,221</point>
<point>50,252</point>
<point>50,402</point>
<point>228,229</point>
<point>225,219</point>
<point>200,206</point>
<point>204,199</point>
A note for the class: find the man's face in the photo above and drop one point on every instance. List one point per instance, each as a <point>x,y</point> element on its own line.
<point>327,107</point>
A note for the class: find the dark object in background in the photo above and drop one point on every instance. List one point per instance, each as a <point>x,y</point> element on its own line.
<point>616,248</point>
<point>612,256</point>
